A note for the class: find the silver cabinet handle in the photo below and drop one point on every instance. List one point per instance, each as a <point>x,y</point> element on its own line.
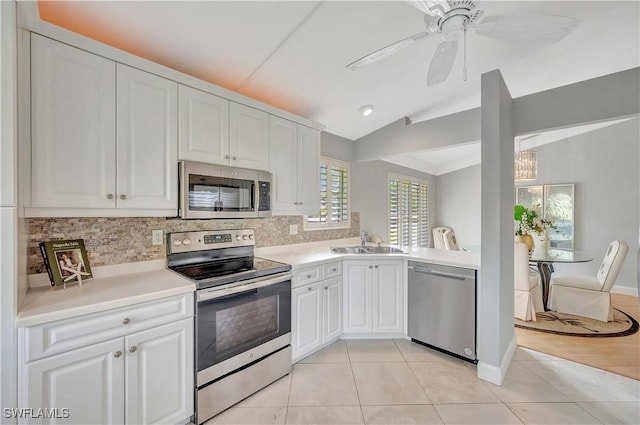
<point>226,157</point>
<point>308,276</point>
<point>375,266</point>
<point>233,158</point>
<point>299,203</point>
<point>123,196</point>
<point>133,349</point>
<point>126,321</point>
<point>109,195</point>
<point>309,289</point>
<point>326,288</point>
<point>117,354</point>
<point>370,267</point>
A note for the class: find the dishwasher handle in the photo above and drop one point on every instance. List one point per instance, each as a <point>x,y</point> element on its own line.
<point>437,273</point>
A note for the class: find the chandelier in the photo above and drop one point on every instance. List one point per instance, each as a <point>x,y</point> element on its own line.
<point>525,165</point>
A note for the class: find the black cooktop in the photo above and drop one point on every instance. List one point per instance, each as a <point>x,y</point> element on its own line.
<point>223,271</point>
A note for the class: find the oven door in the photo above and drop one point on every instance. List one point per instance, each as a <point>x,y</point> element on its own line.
<point>239,325</point>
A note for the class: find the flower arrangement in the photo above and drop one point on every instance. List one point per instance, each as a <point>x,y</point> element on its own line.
<point>529,220</point>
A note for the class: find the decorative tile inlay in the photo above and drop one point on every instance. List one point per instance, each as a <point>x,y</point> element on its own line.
<point>121,240</point>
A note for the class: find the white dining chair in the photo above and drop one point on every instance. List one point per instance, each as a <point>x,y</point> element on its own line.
<point>450,242</point>
<point>589,296</point>
<point>527,293</point>
<point>438,236</point>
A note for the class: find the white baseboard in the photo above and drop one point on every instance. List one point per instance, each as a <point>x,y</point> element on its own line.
<point>495,374</point>
<point>625,290</point>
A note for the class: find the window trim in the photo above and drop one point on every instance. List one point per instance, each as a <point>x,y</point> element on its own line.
<point>398,176</point>
<point>328,224</point>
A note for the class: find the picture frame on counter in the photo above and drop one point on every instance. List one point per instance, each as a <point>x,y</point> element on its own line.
<point>66,261</point>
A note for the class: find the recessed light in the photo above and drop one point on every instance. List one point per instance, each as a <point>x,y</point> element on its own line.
<point>366,110</point>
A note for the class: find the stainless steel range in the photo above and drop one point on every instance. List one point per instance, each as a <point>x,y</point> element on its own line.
<point>243,315</point>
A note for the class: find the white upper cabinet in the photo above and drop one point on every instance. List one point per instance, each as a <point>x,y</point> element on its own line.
<point>104,136</point>
<point>294,159</point>
<point>147,140</point>
<point>73,127</point>
<point>203,127</point>
<point>248,137</point>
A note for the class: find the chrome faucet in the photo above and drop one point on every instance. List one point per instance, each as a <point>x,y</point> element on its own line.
<point>363,238</point>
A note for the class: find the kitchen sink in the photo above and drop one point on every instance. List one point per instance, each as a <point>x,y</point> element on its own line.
<point>366,250</point>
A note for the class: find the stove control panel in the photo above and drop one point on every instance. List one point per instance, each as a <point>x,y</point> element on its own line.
<point>210,239</point>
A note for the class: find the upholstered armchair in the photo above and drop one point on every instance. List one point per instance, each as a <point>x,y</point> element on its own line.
<point>527,293</point>
<point>589,296</point>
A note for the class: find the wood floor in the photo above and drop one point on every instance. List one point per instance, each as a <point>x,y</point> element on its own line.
<point>618,355</point>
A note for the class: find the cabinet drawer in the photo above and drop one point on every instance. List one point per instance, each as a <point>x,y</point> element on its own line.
<point>305,276</point>
<point>64,335</point>
<point>332,270</point>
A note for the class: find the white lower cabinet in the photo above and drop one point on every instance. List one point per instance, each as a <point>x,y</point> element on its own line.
<point>316,308</point>
<point>373,296</point>
<point>138,377</point>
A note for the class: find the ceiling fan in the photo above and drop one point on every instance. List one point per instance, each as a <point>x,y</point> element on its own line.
<point>452,18</point>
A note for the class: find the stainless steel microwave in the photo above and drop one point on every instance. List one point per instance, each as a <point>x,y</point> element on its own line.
<point>217,191</point>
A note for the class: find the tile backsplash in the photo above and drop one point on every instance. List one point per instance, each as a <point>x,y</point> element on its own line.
<point>125,240</point>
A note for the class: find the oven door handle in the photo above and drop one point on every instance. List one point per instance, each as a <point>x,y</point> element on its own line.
<point>209,294</point>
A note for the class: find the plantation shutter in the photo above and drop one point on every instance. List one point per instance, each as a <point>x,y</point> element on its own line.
<point>334,195</point>
<point>408,212</point>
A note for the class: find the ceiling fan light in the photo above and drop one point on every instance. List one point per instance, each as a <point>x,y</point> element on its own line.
<point>366,110</point>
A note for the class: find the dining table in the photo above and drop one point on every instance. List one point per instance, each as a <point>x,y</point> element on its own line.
<point>545,263</point>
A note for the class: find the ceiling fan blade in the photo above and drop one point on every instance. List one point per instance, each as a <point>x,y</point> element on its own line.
<point>431,7</point>
<point>386,51</point>
<point>442,62</point>
<point>528,28</point>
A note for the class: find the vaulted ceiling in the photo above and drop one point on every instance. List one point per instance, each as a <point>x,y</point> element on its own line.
<point>293,54</point>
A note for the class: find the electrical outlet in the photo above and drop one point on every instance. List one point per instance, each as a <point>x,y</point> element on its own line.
<point>293,229</point>
<point>156,237</point>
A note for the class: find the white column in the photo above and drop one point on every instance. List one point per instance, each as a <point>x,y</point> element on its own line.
<point>496,337</point>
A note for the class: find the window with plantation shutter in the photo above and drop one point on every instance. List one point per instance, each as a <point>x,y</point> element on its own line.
<point>334,196</point>
<point>408,211</point>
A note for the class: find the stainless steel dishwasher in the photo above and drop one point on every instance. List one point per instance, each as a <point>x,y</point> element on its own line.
<point>442,308</point>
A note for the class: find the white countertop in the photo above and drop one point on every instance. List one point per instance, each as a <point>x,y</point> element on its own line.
<point>46,304</point>
<point>128,284</point>
<point>312,253</point>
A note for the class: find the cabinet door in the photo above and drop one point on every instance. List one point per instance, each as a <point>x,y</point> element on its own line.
<point>147,140</point>
<point>306,319</point>
<point>308,170</point>
<point>388,298</point>
<point>160,373</point>
<point>73,125</point>
<point>87,381</point>
<point>203,127</point>
<point>284,164</point>
<point>357,281</point>
<point>332,309</point>
<point>248,137</point>
<point>159,380</point>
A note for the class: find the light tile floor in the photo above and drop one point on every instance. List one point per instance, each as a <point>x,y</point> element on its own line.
<point>399,382</point>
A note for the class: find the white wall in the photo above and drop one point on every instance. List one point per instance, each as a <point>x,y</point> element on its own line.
<point>458,205</point>
<point>336,147</point>
<point>604,166</point>
<point>369,194</point>
<point>8,208</point>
